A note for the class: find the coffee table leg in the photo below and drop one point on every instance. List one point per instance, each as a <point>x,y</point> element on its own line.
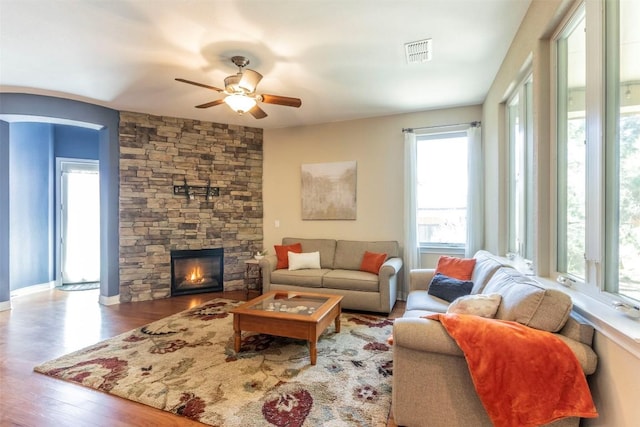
<point>313,351</point>
<point>337,323</point>
<point>237,340</point>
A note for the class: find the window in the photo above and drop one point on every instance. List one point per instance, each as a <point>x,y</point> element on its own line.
<point>520,122</point>
<point>622,274</point>
<point>572,149</point>
<point>598,150</point>
<point>442,189</point>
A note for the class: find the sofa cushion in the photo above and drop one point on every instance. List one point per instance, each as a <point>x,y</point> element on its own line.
<point>578,329</point>
<point>353,280</point>
<point>457,268</point>
<point>448,288</point>
<point>304,260</point>
<point>326,247</point>
<point>349,253</point>
<point>478,305</point>
<point>421,301</point>
<point>282,252</point>
<point>486,266</point>
<point>528,302</point>
<point>311,278</point>
<point>371,262</point>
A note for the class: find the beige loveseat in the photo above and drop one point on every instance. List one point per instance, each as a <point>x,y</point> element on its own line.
<point>340,274</point>
<point>431,381</point>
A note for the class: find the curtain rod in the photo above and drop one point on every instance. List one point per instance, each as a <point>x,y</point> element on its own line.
<point>472,124</point>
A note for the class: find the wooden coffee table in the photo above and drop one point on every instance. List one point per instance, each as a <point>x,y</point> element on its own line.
<point>299,315</point>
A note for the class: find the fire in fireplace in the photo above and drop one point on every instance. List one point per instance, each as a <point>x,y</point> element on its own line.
<point>196,271</point>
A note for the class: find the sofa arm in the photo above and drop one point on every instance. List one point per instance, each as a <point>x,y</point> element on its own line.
<point>425,335</point>
<point>267,265</point>
<point>390,268</point>
<point>388,283</point>
<point>420,278</point>
<point>586,356</point>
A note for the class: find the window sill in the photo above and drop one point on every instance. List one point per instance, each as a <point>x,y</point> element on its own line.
<point>442,249</point>
<point>613,324</point>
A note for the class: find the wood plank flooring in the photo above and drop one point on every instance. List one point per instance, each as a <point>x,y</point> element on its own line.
<point>51,323</point>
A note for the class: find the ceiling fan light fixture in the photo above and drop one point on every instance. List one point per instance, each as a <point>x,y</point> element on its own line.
<point>232,83</point>
<point>249,80</point>
<point>240,92</point>
<point>240,103</point>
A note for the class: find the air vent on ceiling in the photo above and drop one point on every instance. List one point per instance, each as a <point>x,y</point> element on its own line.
<point>418,52</point>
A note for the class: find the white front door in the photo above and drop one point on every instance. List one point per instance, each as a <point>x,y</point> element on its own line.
<point>79,217</point>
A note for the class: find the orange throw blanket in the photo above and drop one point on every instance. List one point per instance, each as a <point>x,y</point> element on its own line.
<point>523,376</point>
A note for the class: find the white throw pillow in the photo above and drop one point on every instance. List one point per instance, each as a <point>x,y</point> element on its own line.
<point>303,260</point>
<point>478,304</point>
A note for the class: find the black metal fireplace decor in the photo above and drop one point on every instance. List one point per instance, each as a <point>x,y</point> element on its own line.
<point>191,191</point>
<point>197,270</point>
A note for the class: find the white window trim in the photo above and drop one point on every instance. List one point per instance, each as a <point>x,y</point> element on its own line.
<point>594,104</point>
<point>519,91</point>
<point>434,133</point>
<point>596,306</point>
<point>449,248</point>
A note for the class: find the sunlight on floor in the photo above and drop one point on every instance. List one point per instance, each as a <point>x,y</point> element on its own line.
<point>83,319</point>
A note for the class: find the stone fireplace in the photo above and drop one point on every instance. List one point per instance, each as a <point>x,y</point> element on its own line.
<point>197,271</point>
<point>156,155</point>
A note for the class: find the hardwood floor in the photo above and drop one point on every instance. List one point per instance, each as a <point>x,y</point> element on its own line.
<point>51,323</point>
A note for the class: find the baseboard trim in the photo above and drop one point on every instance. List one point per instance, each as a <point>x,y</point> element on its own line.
<point>33,289</point>
<point>109,300</point>
<point>5,305</point>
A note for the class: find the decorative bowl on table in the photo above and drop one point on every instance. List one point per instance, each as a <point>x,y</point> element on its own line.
<point>258,257</point>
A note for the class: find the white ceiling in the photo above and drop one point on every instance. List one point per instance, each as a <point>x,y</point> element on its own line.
<point>343,58</point>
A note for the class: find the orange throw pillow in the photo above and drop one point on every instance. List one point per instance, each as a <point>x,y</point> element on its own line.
<point>458,268</point>
<point>282,252</point>
<point>372,262</point>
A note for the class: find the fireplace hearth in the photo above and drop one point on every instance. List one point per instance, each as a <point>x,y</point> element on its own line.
<point>196,271</point>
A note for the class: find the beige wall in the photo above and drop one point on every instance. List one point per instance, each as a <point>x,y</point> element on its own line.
<point>375,144</point>
<point>616,383</point>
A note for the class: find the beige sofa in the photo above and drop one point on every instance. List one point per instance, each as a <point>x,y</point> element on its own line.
<point>431,382</point>
<point>340,274</point>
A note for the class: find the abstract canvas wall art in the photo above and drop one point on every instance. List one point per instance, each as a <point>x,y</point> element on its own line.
<point>329,191</point>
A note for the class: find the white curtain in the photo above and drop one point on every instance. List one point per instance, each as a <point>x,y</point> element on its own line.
<point>475,193</point>
<point>411,250</point>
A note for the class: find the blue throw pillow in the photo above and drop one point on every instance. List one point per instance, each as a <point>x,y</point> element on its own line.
<point>448,288</point>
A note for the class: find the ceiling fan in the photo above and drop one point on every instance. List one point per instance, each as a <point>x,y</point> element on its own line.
<point>240,91</point>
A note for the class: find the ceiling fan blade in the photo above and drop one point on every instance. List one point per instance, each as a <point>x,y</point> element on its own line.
<point>258,112</point>
<point>282,100</point>
<point>211,104</point>
<point>200,84</point>
<point>250,80</point>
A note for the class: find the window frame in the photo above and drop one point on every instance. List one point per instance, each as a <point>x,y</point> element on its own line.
<point>561,95</point>
<point>436,133</point>
<point>520,241</point>
<point>596,306</point>
<point>601,122</point>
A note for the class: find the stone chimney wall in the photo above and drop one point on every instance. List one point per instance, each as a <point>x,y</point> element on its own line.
<point>157,153</point>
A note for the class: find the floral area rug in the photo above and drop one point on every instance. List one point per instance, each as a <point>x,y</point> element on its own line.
<point>185,364</point>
